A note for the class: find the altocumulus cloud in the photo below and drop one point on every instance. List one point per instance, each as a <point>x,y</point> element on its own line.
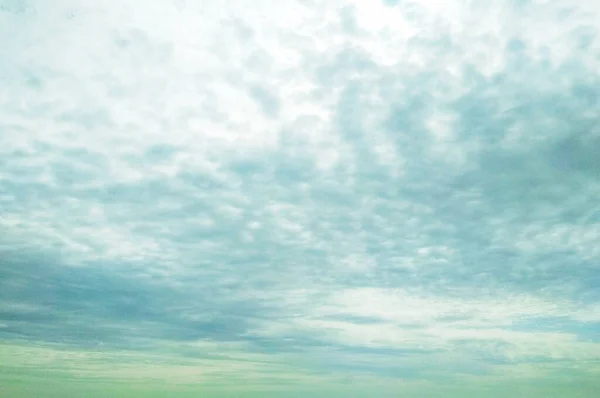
<point>291,195</point>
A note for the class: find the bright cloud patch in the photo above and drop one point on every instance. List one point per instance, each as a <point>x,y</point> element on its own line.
<point>255,197</point>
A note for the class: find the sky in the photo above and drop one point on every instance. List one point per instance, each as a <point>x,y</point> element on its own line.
<point>299,198</point>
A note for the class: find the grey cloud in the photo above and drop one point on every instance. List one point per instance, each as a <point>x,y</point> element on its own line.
<point>268,102</point>
<point>115,305</point>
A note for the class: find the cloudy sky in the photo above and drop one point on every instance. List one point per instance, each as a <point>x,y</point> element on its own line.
<point>299,198</point>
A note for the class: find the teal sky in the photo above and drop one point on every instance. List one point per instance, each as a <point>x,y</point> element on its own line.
<point>299,198</point>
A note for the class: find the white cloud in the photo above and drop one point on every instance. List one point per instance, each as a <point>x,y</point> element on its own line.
<point>348,173</point>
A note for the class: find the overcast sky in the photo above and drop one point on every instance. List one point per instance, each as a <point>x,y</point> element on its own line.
<point>299,198</point>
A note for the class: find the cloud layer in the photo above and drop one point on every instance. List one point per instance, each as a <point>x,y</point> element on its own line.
<point>401,194</point>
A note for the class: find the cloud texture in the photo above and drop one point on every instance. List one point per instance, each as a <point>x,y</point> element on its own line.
<point>300,197</point>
